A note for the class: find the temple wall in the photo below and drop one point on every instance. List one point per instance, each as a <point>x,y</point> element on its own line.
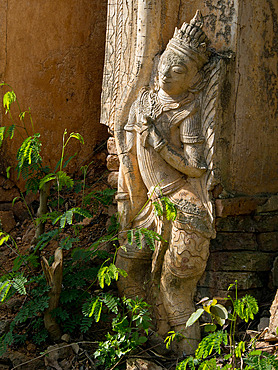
<point>246,245</point>
<point>52,55</point>
<point>246,205</point>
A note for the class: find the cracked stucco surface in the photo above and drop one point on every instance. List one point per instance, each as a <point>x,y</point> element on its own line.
<point>52,54</point>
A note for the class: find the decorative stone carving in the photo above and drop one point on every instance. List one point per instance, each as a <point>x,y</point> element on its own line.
<point>166,148</point>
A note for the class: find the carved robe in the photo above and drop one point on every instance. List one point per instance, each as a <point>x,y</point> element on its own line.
<point>184,260</point>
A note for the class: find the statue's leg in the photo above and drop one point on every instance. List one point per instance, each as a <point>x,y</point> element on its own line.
<point>184,264</point>
<point>137,264</point>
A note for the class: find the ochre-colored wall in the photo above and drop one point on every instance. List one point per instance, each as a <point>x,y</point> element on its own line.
<point>252,157</point>
<point>52,54</point>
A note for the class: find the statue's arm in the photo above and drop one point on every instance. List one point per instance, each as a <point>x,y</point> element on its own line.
<point>171,155</point>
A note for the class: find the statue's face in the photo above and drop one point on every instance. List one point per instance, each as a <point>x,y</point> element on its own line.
<point>176,73</point>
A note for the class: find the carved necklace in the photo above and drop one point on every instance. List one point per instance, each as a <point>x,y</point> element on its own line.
<point>161,102</point>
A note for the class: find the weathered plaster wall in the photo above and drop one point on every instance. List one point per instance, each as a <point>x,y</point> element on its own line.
<point>52,54</point>
<point>249,141</point>
<point>246,245</point>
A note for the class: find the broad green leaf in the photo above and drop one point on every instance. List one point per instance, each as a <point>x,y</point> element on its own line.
<point>220,313</point>
<point>210,328</point>
<point>194,317</point>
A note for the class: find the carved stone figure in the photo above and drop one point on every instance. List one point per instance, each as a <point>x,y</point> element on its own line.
<point>166,154</point>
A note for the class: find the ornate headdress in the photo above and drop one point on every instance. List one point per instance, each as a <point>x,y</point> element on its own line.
<point>191,40</point>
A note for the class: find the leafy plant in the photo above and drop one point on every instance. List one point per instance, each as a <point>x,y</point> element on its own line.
<point>126,337</point>
<point>244,308</point>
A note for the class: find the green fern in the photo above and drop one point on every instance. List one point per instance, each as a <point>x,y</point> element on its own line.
<point>18,284</point>
<point>86,323</point>
<point>151,237</point>
<point>2,134</point>
<point>45,238</point>
<point>29,154</point>
<point>139,236</point>
<point>170,209</point>
<point>211,343</point>
<point>69,295</point>
<point>190,361</point>
<point>67,217</point>
<point>104,197</point>
<point>246,307</point>
<point>10,131</point>
<point>4,289</point>
<point>61,314</point>
<point>111,302</point>
<point>261,361</point>
<point>108,273</point>
<point>165,206</point>
<point>64,180</point>
<point>8,98</point>
<point>93,308</point>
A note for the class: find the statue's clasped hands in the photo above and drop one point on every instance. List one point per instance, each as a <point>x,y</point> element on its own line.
<point>151,135</point>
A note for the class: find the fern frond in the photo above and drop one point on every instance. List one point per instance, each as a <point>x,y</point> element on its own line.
<point>86,323</point>
<point>47,178</point>
<point>138,236</point>
<point>4,289</point>
<point>66,217</point>
<point>8,99</point>
<point>130,236</point>
<point>77,136</point>
<point>10,131</point>
<point>29,153</point>
<point>151,237</point>
<point>45,238</point>
<point>81,212</point>
<point>211,343</point>
<point>246,307</point>
<point>64,180</point>
<point>158,208</point>
<point>18,284</point>
<point>108,273</point>
<point>2,134</point>
<point>111,302</point>
<point>93,308</point>
<point>183,365</point>
<point>170,209</point>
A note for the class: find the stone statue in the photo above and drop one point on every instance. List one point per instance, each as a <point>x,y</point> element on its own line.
<point>165,149</point>
<point>165,143</point>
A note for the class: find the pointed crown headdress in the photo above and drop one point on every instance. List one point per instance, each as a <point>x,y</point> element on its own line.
<point>191,40</point>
